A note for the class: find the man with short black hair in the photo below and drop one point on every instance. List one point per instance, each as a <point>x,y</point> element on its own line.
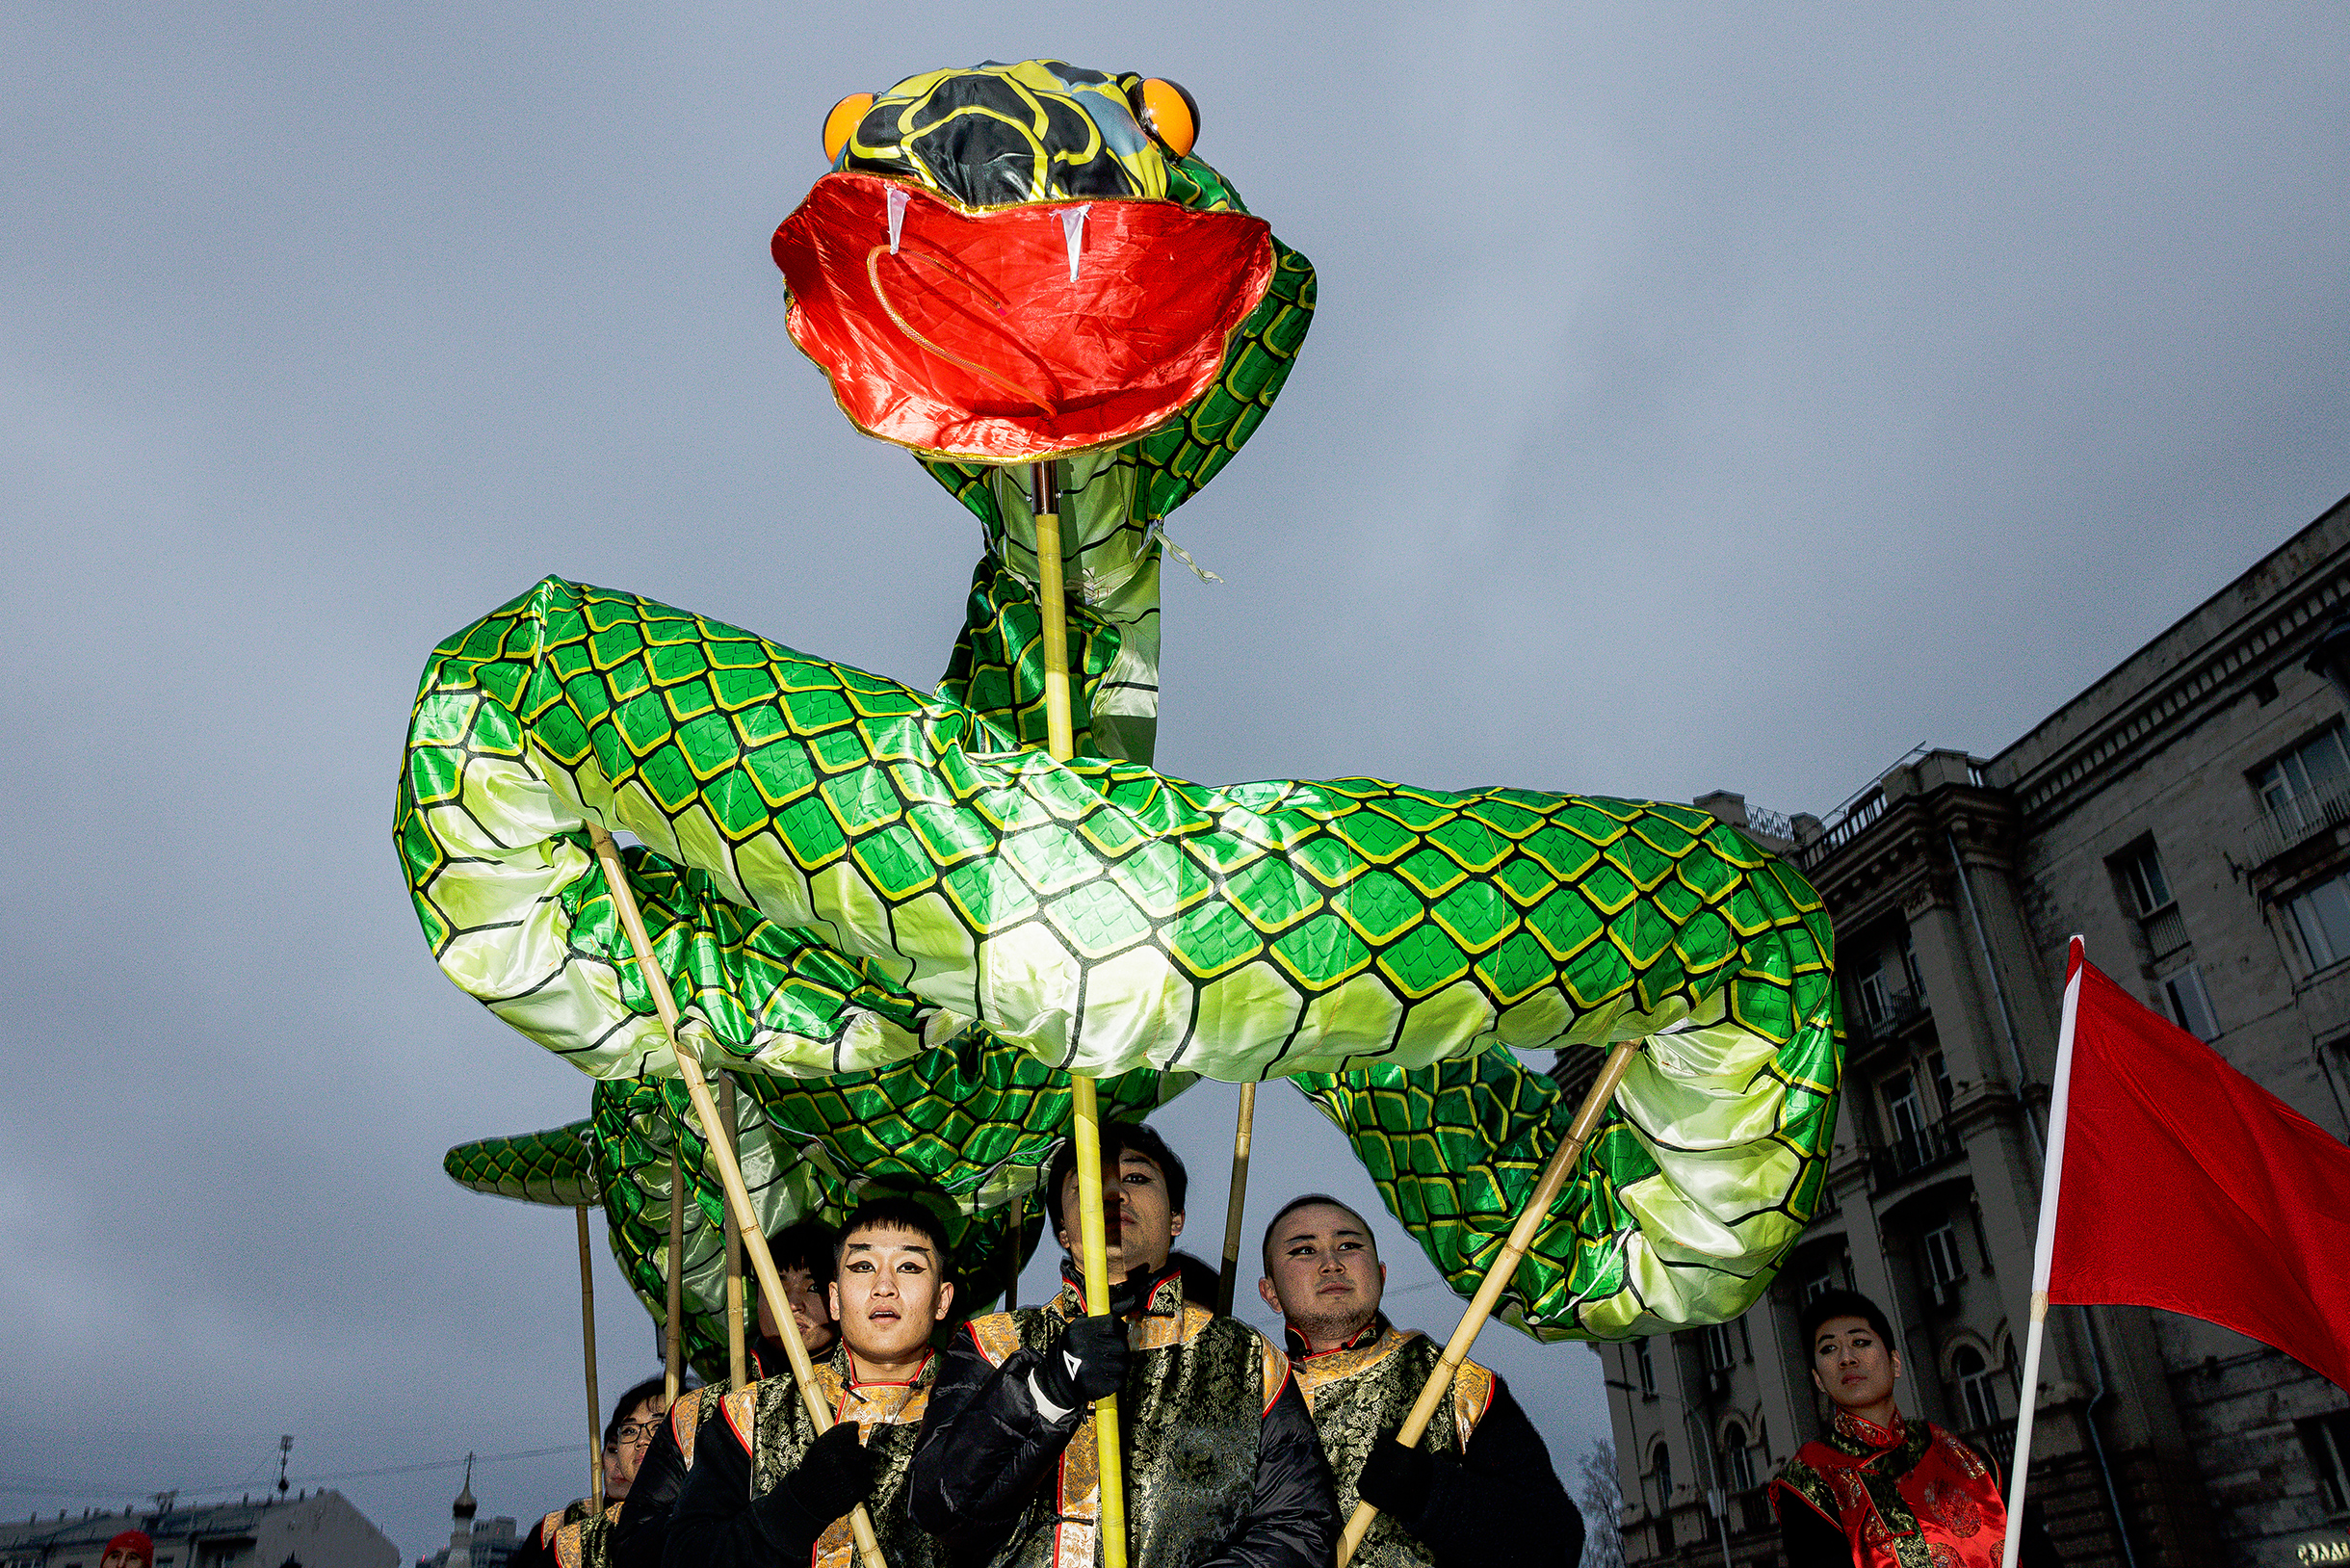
<point>1478,1487</point>
<point>764,1490</point>
<point>1222,1469</point>
<point>804,1254</point>
<point>1876,1490</point>
<point>577,1536</point>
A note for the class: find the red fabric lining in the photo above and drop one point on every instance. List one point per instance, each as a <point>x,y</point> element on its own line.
<point>970,341</point>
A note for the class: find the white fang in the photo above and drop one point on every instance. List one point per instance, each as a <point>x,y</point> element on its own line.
<point>1073,233</point>
<point>897,199</point>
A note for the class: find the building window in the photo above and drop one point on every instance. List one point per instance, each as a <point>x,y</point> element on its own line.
<point>2190,1003</point>
<point>1660,1476</point>
<point>1903,1107</point>
<point>2296,788</point>
<point>1876,997</point>
<point>1977,1394</point>
<point>1717,1348</point>
<point>1909,965</point>
<point>1940,1076</point>
<point>2321,919</point>
<point>2140,870</point>
<point>1738,1461</point>
<point>2327,1439</point>
<point>1648,1366</point>
<point>1942,1259</point>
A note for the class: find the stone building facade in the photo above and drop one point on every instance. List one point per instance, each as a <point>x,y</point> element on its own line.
<point>2189,816</point>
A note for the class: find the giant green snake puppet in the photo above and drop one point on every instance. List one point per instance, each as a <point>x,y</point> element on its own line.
<point>903,925</point>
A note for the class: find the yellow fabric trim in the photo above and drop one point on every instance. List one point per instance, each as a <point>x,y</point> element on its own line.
<point>996,1335</point>
<point>1471,1395</point>
<point>1276,1372</point>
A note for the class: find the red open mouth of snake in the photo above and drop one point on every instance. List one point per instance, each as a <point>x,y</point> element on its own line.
<point>964,333</point>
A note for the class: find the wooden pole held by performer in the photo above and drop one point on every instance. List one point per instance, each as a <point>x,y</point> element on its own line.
<point>1044,504</point>
<point>1530,1219</point>
<point>673,1321</point>
<point>730,1169</point>
<point>738,1346</point>
<point>1243,1131</point>
<point>595,1403</point>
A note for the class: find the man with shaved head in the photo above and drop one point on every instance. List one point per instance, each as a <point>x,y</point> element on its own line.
<point>1480,1487</point>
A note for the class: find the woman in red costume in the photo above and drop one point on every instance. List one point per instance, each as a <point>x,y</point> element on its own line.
<point>1876,1491</point>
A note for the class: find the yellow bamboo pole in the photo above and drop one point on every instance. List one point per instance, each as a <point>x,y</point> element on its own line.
<point>730,1169</point>
<point>673,1337</point>
<point>738,1346</point>
<point>1044,502</point>
<point>1537,1209</point>
<point>595,1403</point>
<point>1243,1130</point>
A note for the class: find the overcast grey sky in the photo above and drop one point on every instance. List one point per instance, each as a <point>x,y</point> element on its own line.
<point>1701,397</point>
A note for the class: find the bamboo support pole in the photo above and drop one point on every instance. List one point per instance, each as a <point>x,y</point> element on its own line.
<point>673,1321</point>
<point>1243,1131</point>
<point>738,1339</point>
<point>1044,503</point>
<point>1497,1278</point>
<point>595,1403</point>
<point>730,1169</point>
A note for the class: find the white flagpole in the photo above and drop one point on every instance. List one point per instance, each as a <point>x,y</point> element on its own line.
<point>2051,1183</point>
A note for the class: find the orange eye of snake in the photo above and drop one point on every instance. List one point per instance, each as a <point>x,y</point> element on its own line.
<point>1169,114</point>
<point>843,121</point>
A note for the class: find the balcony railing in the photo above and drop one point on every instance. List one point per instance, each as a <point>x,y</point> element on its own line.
<point>1914,1152</point>
<point>2292,824</point>
<point>1851,826</point>
<point>1901,1008</point>
<point>2165,932</point>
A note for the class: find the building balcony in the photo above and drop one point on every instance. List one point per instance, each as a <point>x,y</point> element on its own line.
<point>1914,1154</point>
<point>2293,824</point>
<point>1896,1013</point>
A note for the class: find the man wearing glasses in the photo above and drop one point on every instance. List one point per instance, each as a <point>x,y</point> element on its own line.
<point>577,1536</point>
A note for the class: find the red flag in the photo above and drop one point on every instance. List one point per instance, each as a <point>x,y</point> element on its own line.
<point>2186,1186</point>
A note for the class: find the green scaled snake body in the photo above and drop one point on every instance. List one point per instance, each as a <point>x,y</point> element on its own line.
<point>840,873</point>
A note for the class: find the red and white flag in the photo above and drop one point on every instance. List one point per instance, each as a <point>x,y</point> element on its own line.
<point>2174,1181</point>
<point>2188,1187</point>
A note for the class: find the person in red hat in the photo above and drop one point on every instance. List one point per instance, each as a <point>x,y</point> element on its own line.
<point>132,1549</point>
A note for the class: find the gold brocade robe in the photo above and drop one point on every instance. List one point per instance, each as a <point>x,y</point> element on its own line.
<point>1362,1388</point>
<point>578,1539</point>
<point>1191,1409</point>
<point>771,1420</point>
<point>693,1410</point>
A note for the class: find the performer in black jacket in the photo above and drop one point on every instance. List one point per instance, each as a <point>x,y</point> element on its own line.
<point>1222,1467</point>
<point>1479,1489</point>
<point>763,1490</point>
<point>804,1254</point>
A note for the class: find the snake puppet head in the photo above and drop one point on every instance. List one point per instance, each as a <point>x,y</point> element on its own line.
<point>1012,263</point>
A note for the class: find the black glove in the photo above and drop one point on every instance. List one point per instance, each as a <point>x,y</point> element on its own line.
<point>1085,1363</point>
<point>1395,1479</point>
<point>833,1476</point>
